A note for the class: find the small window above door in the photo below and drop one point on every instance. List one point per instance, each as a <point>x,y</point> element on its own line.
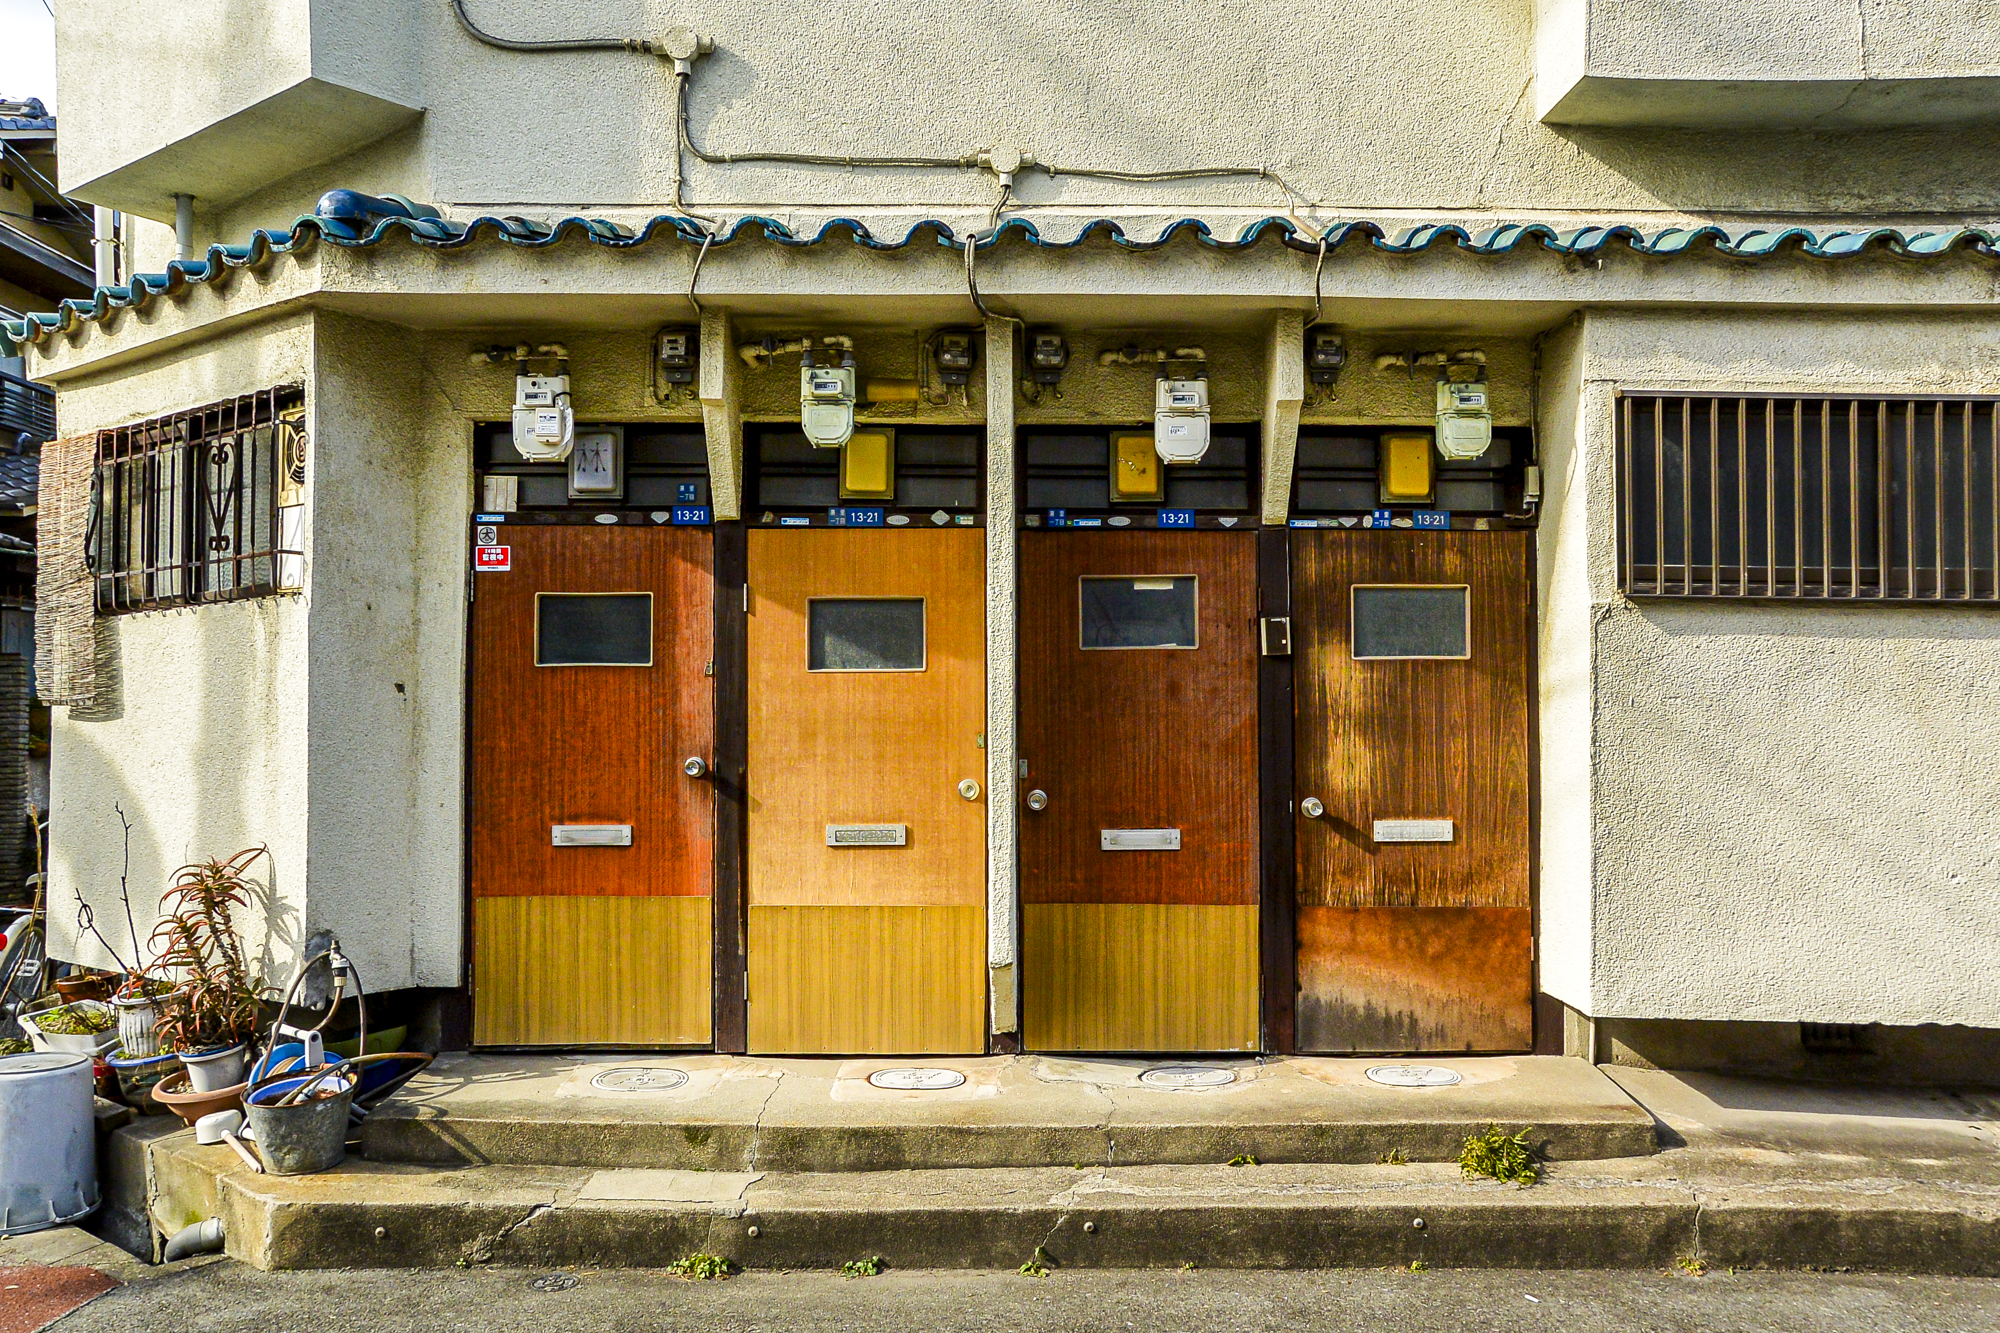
<point>593,629</point>
<point>864,634</point>
<point>1400,621</point>
<point>1144,611</point>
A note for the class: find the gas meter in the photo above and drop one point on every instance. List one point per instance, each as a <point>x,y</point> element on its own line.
<point>1464,419</point>
<point>826,401</point>
<point>544,425</point>
<point>1180,420</point>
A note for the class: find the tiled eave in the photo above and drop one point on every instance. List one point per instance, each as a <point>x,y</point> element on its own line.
<point>354,221</point>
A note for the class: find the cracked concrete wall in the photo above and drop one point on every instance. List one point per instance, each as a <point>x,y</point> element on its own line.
<point>1789,805</point>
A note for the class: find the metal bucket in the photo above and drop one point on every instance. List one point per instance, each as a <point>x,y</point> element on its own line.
<point>303,1138</point>
<point>48,1141</point>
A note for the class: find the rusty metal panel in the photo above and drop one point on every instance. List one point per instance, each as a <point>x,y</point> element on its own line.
<point>1414,979</point>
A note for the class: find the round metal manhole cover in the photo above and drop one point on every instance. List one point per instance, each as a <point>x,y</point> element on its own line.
<point>916,1079</point>
<point>1188,1076</point>
<point>1414,1076</point>
<point>553,1282</point>
<point>639,1080</point>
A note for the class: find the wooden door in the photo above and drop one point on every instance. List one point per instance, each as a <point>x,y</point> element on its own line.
<point>866,865</point>
<point>1410,653</point>
<point>592,944</point>
<point>1138,726</point>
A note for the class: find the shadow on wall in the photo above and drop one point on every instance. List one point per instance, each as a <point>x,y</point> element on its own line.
<point>1873,173</point>
<point>190,763</point>
<point>1884,622</point>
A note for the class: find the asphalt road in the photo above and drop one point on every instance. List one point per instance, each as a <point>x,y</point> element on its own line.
<point>228,1298</point>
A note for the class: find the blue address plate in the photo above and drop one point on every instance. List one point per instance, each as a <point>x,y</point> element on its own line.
<point>690,516</point>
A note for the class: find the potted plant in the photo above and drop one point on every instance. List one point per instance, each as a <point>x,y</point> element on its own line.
<point>212,1011</point>
<point>83,1026</point>
<point>137,1003</point>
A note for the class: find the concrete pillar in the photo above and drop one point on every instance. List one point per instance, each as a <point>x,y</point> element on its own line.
<point>1002,766</point>
<point>722,413</point>
<point>1284,391</point>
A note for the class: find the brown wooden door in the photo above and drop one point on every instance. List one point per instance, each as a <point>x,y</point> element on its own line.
<point>1410,653</point>
<point>866,869</point>
<point>580,944</point>
<point>1138,724</point>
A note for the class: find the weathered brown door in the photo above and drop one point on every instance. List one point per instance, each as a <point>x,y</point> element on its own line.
<point>867,821</point>
<point>1411,657</point>
<point>591,848</point>
<point>1138,733</point>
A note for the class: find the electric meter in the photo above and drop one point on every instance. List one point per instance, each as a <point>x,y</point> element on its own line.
<point>1180,420</point>
<point>544,425</point>
<point>826,402</point>
<point>1047,355</point>
<point>679,351</point>
<point>1464,419</point>
<point>1325,355</point>
<point>954,354</point>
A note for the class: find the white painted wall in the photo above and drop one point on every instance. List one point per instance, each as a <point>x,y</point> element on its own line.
<point>1790,806</point>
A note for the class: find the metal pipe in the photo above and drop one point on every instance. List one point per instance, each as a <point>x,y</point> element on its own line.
<point>104,245</point>
<point>184,226</point>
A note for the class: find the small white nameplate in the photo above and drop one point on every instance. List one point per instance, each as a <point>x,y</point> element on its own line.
<point>1413,830</point>
<point>867,835</point>
<point>1139,839</point>
<point>590,835</point>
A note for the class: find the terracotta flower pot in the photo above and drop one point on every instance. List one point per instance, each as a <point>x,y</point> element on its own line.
<point>173,1093</point>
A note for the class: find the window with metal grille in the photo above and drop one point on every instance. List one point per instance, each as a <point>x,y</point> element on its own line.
<point>200,506</point>
<point>1843,499</point>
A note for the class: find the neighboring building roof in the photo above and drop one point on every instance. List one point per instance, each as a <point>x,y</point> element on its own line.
<point>20,477</point>
<point>27,115</point>
<point>352,220</point>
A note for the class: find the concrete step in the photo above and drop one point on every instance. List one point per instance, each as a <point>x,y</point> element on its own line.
<point>735,1113</point>
<point>1636,1213</point>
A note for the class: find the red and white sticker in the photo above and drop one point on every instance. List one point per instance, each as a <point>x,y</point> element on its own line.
<point>493,558</point>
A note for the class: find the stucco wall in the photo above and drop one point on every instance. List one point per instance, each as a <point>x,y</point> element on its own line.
<point>1792,814</point>
<point>1433,107</point>
<point>202,739</point>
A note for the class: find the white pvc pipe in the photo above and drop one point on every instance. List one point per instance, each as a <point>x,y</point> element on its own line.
<point>104,245</point>
<point>184,226</point>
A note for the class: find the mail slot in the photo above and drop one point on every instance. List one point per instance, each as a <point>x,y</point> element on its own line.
<point>1139,839</point>
<point>867,835</point>
<point>1413,830</point>
<point>590,835</point>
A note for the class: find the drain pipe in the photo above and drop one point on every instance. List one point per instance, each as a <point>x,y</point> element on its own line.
<point>184,226</point>
<point>201,1238</point>
<point>104,244</point>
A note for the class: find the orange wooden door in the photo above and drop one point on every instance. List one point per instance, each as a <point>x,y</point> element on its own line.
<point>591,848</point>
<point>1410,653</point>
<point>1138,729</point>
<point>866,860</point>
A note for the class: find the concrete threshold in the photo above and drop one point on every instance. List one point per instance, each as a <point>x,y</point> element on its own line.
<point>737,1113</point>
<point>1647,1212</point>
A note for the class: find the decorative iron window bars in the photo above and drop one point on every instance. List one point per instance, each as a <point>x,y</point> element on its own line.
<point>199,506</point>
<point>1816,498</point>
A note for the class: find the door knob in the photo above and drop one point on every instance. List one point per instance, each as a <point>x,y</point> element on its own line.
<point>695,767</point>
<point>1312,807</point>
<point>1038,799</point>
<point>969,790</point>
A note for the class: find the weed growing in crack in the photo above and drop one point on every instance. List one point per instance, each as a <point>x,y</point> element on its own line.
<point>1501,1156</point>
<point>1394,1157</point>
<point>701,1267</point>
<point>1187,1266</point>
<point>1691,1264</point>
<point>1245,1159</point>
<point>1419,1266</point>
<point>1038,1265</point>
<point>869,1267</point>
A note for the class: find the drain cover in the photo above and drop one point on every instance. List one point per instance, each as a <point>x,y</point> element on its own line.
<point>916,1080</point>
<point>1414,1076</point>
<point>639,1079</point>
<point>1188,1076</point>
<point>553,1282</point>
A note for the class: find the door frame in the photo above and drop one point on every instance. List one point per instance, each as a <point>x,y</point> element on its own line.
<point>729,770</point>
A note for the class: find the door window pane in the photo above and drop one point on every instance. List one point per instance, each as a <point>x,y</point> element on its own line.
<point>593,629</point>
<point>1411,621</point>
<point>865,634</point>
<point>1158,612</point>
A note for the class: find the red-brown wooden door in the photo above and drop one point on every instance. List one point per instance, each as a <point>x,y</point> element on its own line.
<point>1410,654</point>
<point>1138,727</point>
<point>591,848</point>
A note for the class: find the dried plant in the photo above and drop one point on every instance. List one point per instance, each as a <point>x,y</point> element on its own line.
<point>214,1002</point>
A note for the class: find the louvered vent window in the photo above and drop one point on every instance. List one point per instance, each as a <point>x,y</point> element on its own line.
<point>201,506</point>
<point>1841,499</point>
